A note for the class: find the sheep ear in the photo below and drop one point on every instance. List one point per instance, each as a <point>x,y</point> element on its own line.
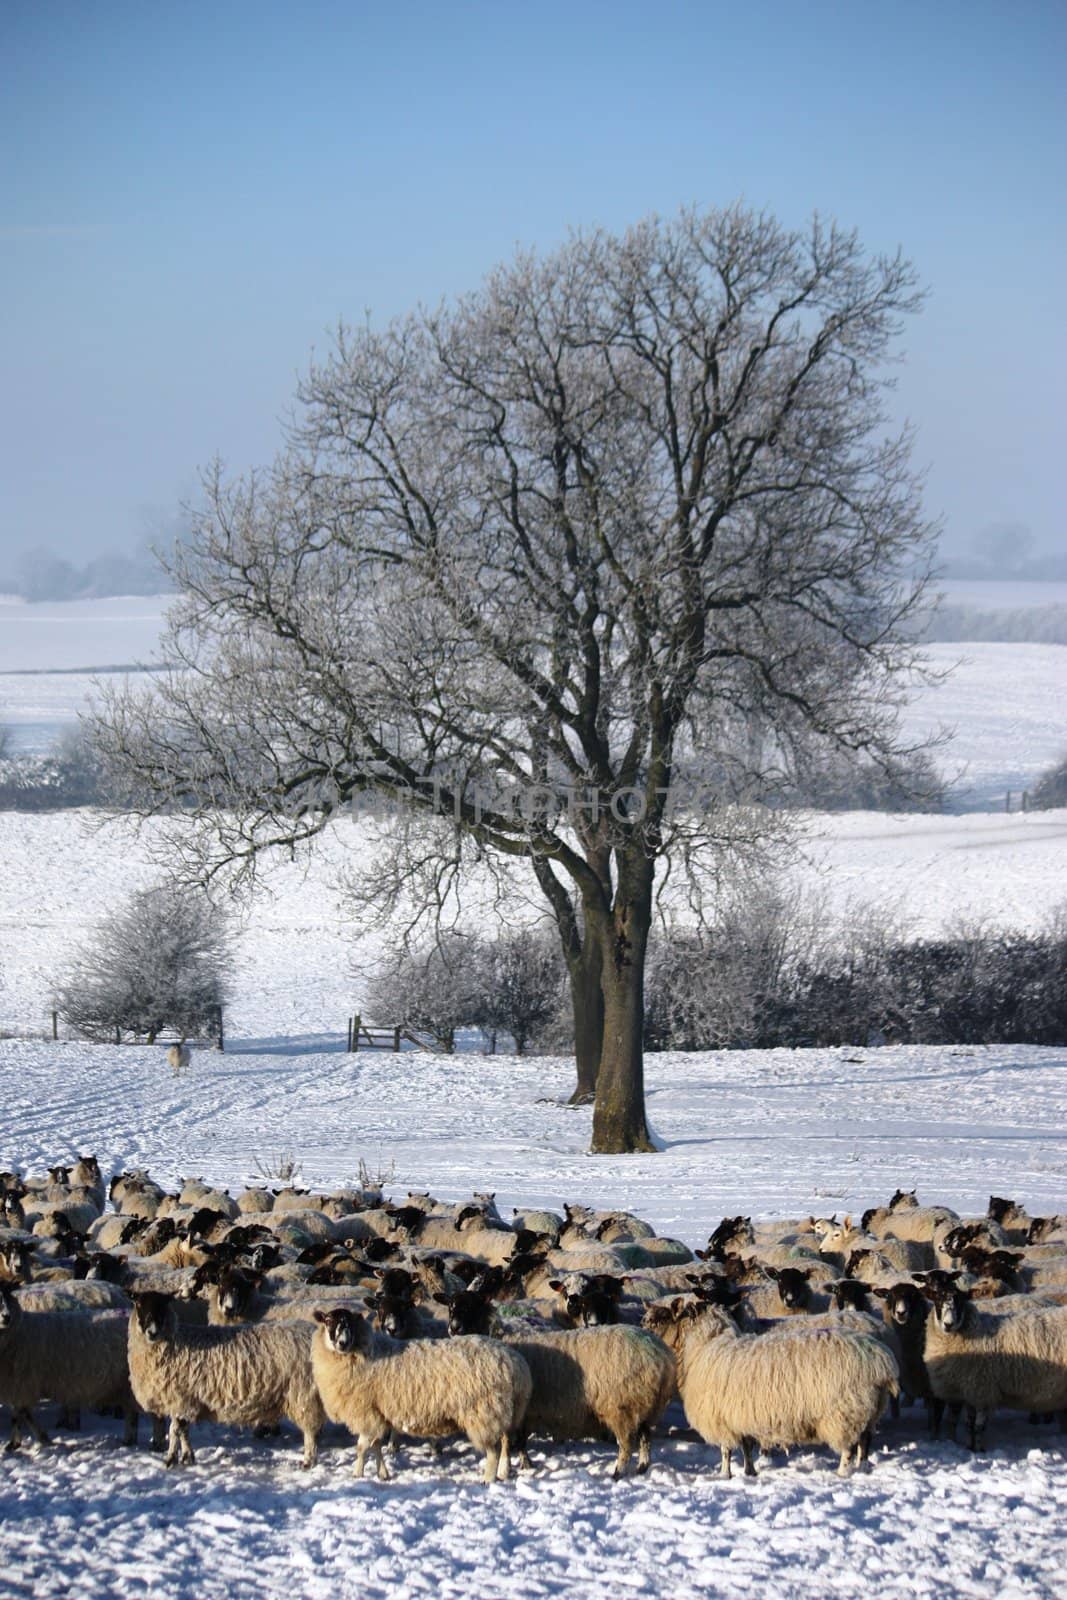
<point>555,1283</point>
<point>771,1272</point>
<point>847,1224</point>
<point>319,1315</point>
<point>805,1272</point>
<point>372,1300</point>
<point>443,1299</point>
<point>882,1293</point>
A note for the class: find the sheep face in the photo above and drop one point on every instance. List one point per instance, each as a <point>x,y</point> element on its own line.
<point>469,1311</point>
<point>904,1200</point>
<point>15,1257</point>
<point>905,1303</point>
<point>949,1308</point>
<point>9,1308</point>
<point>235,1293</point>
<point>393,1313</point>
<point>794,1291</point>
<point>849,1294</point>
<point>153,1315</point>
<point>345,1332</point>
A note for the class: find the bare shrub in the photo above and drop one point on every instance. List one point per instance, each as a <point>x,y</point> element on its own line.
<point>435,989</point>
<point>522,976</point>
<point>1050,790</point>
<point>161,963</point>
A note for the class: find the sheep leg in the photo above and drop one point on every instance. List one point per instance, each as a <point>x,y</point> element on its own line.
<point>626,1450</point>
<point>311,1446</point>
<point>504,1469</point>
<point>179,1450</point>
<point>748,1448</point>
<point>863,1450</point>
<point>131,1415</point>
<point>492,1462</point>
<point>644,1448</point>
<point>937,1411</point>
<point>954,1418</point>
<point>976,1421</point>
<point>372,1443</point>
<point>724,1470</point>
<point>517,1442</point>
<point>844,1466</point>
<point>158,1440</point>
<point>23,1419</point>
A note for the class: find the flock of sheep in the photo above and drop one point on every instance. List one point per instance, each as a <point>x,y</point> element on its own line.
<point>424,1320</point>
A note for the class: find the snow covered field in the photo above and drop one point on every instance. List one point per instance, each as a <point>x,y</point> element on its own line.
<point>1005,705</point>
<point>79,635</point>
<point>1004,702</point>
<point>783,1132</point>
<point>768,1133</point>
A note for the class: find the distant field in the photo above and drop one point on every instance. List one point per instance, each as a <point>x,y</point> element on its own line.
<point>1004,701</point>
<point>65,636</point>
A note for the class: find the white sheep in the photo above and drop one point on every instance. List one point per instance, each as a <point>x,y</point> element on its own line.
<point>795,1385</point>
<point>980,1359</point>
<point>615,1378</point>
<point>179,1057</point>
<point>253,1373</point>
<point>426,1388</point>
<point>74,1356</point>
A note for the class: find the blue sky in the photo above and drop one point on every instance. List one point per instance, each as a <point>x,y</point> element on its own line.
<point>192,194</point>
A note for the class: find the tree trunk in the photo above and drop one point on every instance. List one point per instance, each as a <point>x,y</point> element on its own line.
<point>587,1000</point>
<point>619,1125</point>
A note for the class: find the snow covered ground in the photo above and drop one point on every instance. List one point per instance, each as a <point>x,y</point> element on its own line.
<point>1005,706</point>
<point>79,635</point>
<point>773,1133</point>
<point>783,1133</point>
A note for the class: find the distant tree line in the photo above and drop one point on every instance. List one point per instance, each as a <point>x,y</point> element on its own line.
<point>42,575</point>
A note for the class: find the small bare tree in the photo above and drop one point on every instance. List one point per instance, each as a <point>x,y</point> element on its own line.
<point>161,963</point>
<point>522,976</point>
<point>436,989</point>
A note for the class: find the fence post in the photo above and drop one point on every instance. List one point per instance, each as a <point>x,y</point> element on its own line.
<point>1007,801</point>
<point>396,1037</point>
<point>1026,797</point>
<point>221,1042</point>
<point>357,1023</point>
<point>55,1024</point>
<point>118,1034</point>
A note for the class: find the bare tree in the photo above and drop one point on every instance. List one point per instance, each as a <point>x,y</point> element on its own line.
<point>161,961</point>
<point>436,989</point>
<point>521,976</point>
<point>532,558</point>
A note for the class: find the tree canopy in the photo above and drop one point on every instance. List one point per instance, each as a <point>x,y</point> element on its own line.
<point>624,520</point>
